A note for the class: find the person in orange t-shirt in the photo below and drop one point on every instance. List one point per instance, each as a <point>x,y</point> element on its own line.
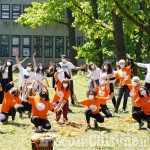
<point>123,75</point>
<point>60,100</point>
<point>103,91</point>
<point>134,88</point>
<point>143,101</point>
<point>92,103</point>
<point>40,108</point>
<point>11,98</point>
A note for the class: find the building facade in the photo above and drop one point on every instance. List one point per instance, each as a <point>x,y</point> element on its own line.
<point>49,41</point>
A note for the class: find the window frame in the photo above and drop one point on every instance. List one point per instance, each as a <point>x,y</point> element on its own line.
<point>4,46</point>
<point>28,46</point>
<point>59,46</point>
<point>15,45</point>
<point>48,46</point>
<point>5,11</point>
<point>16,11</point>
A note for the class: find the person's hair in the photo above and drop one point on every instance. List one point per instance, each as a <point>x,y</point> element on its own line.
<point>136,78</point>
<point>110,69</point>
<point>63,56</point>
<point>47,97</point>
<point>91,91</point>
<point>143,87</point>
<point>15,92</point>
<point>38,69</point>
<point>65,81</point>
<point>29,64</point>
<point>5,65</point>
<point>58,65</point>
<point>89,66</point>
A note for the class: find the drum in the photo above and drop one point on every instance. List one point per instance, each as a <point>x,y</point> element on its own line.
<point>42,142</point>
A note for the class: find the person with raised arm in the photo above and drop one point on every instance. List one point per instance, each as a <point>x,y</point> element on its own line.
<point>92,103</point>
<point>11,98</point>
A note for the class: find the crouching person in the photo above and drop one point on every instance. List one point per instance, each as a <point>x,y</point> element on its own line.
<point>11,98</point>
<point>40,108</point>
<point>92,102</point>
<point>144,102</point>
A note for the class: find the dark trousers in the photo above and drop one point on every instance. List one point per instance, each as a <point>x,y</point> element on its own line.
<point>105,110</point>
<point>98,117</point>
<point>122,91</point>
<point>12,113</point>
<point>71,92</point>
<point>65,113</point>
<point>24,107</point>
<point>40,122</point>
<point>139,115</point>
<point>111,86</point>
<point>91,84</point>
<point>3,83</point>
<point>147,85</point>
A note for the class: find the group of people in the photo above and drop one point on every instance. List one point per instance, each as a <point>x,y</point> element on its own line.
<point>101,88</point>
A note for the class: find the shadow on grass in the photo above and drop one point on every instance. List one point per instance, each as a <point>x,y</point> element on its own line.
<point>17,124</point>
<point>101,129</point>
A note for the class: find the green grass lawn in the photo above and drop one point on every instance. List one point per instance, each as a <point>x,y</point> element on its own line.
<point>119,132</point>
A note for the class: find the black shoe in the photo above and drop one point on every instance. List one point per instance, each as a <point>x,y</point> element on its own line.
<point>115,110</point>
<point>95,124</point>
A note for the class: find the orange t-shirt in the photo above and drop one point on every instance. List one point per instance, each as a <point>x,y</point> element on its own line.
<point>102,93</point>
<point>144,103</point>
<point>135,90</point>
<point>9,101</point>
<point>40,107</point>
<point>61,93</point>
<point>93,104</point>
<point>122,73</point>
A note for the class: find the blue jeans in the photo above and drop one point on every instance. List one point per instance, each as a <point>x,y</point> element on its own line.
<point>122,91</point>
<point>91,85</point>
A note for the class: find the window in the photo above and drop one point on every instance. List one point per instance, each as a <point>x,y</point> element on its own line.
<point>4,46</point>
<point>15,44</point>
<point>59,44</point>
<point>80,41</point>
<point>26,6</point>
<point>38,46</point>
<point>67,47</point>
<point>5,11</point>
<point>26,50</point>
<point>16,11</point>
<point>48,46</point>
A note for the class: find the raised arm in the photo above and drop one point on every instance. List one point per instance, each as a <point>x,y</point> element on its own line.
<point>15,66</point>
<point>75,99</point>
<point>131,60</point>
<point>34,62</point>
<point>141,65</point>
<point>10,85</point>
<point>17,58</point>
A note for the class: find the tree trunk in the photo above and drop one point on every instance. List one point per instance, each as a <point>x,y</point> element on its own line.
<point>148,46</point>
<point>72,37</point>
<point>118,36</point>
<point>97,41</point>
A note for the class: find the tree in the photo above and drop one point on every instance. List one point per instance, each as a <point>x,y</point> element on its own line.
<point>51,12</point>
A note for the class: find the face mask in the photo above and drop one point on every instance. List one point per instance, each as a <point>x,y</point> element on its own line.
<point>41,67</point>
<point>65,85</point>
<point>58,68</point>
<point>143,93</point>
<point>102,87</point>
<point>8,63</point>
<point>29,69</point>
<point>134,83</point>
<point>91,96</point>
<point>63,60</point>
<point>122,66</point>
<point>105,67</point>
<point>92,66</point>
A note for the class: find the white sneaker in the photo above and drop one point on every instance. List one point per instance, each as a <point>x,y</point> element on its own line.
<point>42,130</point>
<point>148,130</point>
<point>12,122</point>
<point>37,130</point>
<point>141,125</point>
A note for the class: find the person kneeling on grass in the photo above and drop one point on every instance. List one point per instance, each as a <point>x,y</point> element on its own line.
<point>40,108</point>
<point>144,102</point>
<point>93,102</point>
<point>11,98</point>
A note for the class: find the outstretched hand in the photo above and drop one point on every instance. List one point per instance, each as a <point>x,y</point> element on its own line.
<point>128,56</point>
